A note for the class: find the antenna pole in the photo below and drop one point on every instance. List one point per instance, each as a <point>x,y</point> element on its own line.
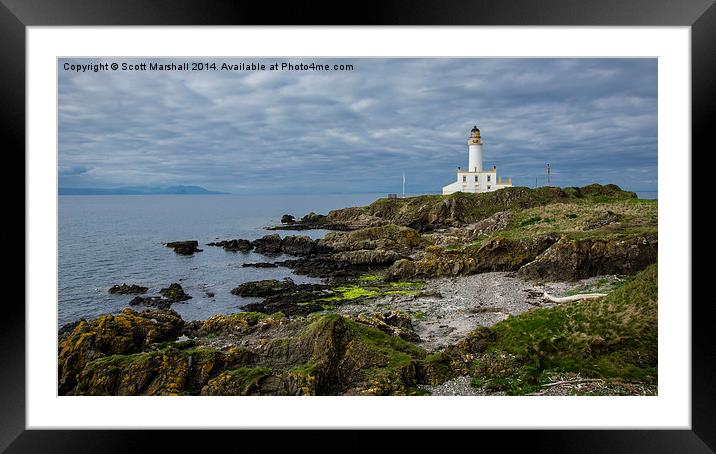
<point>403,184</point>
<point>549,175</point>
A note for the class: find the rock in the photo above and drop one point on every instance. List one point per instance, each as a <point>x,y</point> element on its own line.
<point>269,244</point>
<point>184,247</point>
<point>287,219</point>
<point>126,333</point>
<point>174,293</point>
<point>210,294</point>
<point>313,218</point>
<point>265,287</point>
<point>152,301</point>
<point>388,237</point>
<point>125,289</point>
<point>259,265</point>
<point>284,296</point>
<point>167,372</point>
<point>323,266</point>
<point>239,245</point>
<point>496,254</point>
<point>67,328</point>
<point>495,223</point>
<point>321,355</point>
<point>570,259</point>
<point>395,323</point>
<point>367,257</point>
<point>298,245</point>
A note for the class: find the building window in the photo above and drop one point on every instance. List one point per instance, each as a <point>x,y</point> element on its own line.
<point>488,177</point>
<point>464,179</point>
<point>488,186</point>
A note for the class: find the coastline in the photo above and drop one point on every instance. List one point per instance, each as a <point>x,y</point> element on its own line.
<point>416,293</point>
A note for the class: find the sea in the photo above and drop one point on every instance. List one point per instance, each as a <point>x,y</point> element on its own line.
<point>107,240</point>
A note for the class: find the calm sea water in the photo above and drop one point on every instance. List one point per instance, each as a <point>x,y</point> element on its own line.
<point>107,240</point>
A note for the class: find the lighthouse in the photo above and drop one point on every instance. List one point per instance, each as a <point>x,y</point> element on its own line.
<point>475,178</point>
<point>474,145</point>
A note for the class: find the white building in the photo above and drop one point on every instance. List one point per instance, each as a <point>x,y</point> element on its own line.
<point>475,178</point>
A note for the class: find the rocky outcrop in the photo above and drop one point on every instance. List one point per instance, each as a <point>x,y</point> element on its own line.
<point>269,244</point>
<point>430,212</point>
<point>364,257</point>
<point>395,323</point>
<point>234,245</point>
<point>158,302</point>
<point>174,292</point>
<point>463,235</point>
<point>347,254</point>
<point>308,222</point>
<point>291,245</point>
<point>495,223</point>
<point>265,287</point>
<point>323,355</point>
<point>125,289</point>
<point>300,246</point>
<point>496,254</point>
<point>572,259</point>
<point>284,296</point>
<point>126,333</point>
<point>184,247</point>
<point>170,295</point>
<point>387,237</point>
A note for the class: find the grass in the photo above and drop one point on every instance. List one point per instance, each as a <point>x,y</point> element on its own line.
<point>613,337</point>
<point>603,285</point>
<point>246,377</point>
<point>575,218</point>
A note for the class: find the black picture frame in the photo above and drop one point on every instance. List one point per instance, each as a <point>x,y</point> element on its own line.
<point>16,15</point>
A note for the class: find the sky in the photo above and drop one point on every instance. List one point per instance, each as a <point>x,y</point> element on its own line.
<point>359,130</point>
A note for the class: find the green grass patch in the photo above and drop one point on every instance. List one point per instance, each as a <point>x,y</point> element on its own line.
<point>613,337</point>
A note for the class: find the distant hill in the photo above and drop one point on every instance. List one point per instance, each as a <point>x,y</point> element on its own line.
<point>138,190</point>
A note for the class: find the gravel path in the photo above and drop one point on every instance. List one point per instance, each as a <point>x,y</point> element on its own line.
<point>449,308</point>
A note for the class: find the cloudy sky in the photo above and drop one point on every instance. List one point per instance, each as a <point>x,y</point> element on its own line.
<point>594,120</point>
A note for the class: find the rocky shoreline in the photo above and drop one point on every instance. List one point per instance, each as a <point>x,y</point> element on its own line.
<point>418,293</point>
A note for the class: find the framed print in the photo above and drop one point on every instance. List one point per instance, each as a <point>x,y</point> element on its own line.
<point>260,218</point>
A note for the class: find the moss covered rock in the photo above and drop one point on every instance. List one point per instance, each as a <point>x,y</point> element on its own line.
<point>572,259</point>
<point>125,289</point>
<point>174,292</point>
<point>126,333</point>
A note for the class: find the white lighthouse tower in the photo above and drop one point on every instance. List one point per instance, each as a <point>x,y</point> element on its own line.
<point>474,145</point>
<point>475,178</point>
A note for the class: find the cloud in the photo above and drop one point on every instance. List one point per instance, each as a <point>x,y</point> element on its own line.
<point>594,120</point>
